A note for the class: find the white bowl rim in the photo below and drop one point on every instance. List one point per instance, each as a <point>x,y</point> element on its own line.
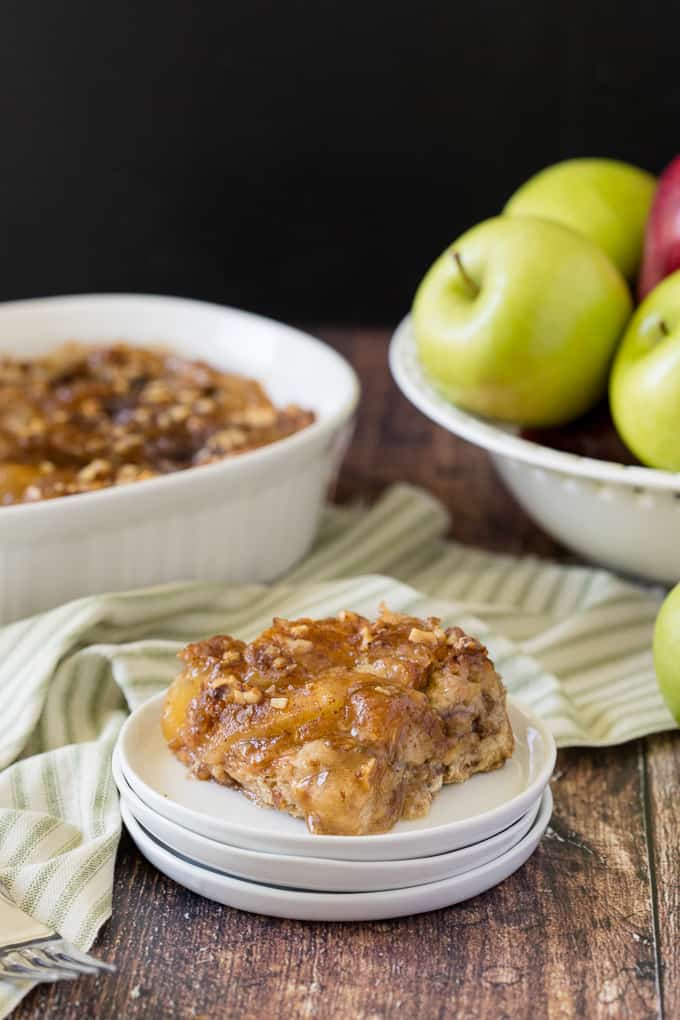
<point>499,439</point>
<point>262,455</point>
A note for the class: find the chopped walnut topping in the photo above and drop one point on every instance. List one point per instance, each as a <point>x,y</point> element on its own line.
<point>255,416</point>
<point>179,413</point>
<point>128,473</point>
<point>425,637</point>
<point>127,443</point>
<point>231,655</point>
<point>96,469</point>
<point>204,406</point>
<point>142,416</point>
<point>387,616</point>
<point>297,644</point>
<point>366,636</point>
<point>299,630</point>
<point>35,427</point>
<point>90,408</point>
<point>279,662</point>
<point>227,439</point>
<point>251,696</point>
<point>157,392</point>
<point>462,642</point>
<point>139,411</point>
<point>228,680</point>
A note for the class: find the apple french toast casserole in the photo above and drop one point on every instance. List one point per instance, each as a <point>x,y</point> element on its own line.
<point>348,723</point>
<point>83,418</point>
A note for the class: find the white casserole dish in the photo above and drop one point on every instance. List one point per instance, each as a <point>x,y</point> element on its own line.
<point>622,516</point>
<point>248,518</point>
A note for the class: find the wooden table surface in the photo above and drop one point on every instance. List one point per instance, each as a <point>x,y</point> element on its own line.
<point>588,928</point>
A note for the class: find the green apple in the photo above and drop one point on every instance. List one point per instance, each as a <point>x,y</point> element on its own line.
<point>518,320</point>
<point>667,651</point>
<point>644,388</point>
<point>607,200</point>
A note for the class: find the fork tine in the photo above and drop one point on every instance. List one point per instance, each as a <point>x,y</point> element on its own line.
<point>74,957</point>
<point>33,956</point>
<point>44,956</point>
<point>43,975</point>
<point>16,968</point>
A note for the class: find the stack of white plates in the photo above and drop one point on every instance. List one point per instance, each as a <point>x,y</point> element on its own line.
<point>214,841</point>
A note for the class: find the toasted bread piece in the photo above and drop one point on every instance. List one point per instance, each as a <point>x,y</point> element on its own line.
<point>347,723</point>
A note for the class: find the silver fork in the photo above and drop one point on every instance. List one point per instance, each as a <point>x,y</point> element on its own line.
<point>30,951</point>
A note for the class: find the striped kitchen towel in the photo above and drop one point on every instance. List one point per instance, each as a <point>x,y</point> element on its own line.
<point>573,643</point>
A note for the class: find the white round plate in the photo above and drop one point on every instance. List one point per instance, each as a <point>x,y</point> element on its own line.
<point>461,814</point>
<point>297,904</point>
<point>620,515</point>
<point>317,873</point>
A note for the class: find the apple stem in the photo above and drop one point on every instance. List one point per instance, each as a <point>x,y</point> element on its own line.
<point>467,279</point>
<point>663,327</point>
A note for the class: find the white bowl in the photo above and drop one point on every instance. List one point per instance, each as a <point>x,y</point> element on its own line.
<point>298,904</point>
<point>244,519</point>
<point>461,814</point>
<point>318,874</point>
<point>622,516</point>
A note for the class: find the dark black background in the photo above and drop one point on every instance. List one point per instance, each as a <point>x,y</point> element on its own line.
<point>303,159</point>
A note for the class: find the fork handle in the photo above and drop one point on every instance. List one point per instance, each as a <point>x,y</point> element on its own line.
<point>18,927</point>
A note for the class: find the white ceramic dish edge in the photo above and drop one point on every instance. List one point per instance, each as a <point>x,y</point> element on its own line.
<point>246,519</point>
<point>318,873</point>
<point>274,901</point>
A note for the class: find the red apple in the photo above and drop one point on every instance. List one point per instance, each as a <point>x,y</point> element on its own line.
<point>662,237</point>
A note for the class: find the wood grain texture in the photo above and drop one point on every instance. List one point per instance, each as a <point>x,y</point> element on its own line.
<point>588,928</point>
<point>663,830</point>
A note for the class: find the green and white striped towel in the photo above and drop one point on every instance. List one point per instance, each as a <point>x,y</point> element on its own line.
<point>573,643</point>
